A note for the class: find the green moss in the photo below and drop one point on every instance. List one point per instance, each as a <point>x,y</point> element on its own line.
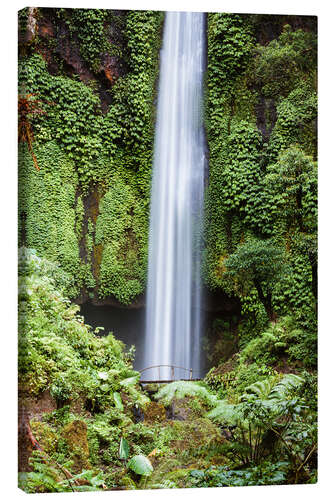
<point>47,206</point>
<point>260,111</point>
<point>46,437</point>
<point>75,435</point>
<point>79,150</point>
<point>121,230</point>
<point>72,115</point>
<point>154,412</point>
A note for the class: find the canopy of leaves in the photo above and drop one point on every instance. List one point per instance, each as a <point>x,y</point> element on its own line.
<point>292,183</point>
<point>255,261</point>
<point>281,63</point>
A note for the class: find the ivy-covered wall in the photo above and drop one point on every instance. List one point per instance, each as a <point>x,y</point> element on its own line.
<point>89,77</point>
<point>261,200</point>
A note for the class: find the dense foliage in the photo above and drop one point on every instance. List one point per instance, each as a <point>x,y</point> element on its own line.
<point>94,154</point>
<point>87,94</point>
<point>89,377</point>
<point>92,439</point>
<point>261,208</point>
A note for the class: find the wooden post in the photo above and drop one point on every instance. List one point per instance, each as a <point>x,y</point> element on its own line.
<point>191,373</point>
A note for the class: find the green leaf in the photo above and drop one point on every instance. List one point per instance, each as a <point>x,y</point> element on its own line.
<point>130,381</point>
<point>123,449</point>
<point>140,465</point>
<point>117,400</point>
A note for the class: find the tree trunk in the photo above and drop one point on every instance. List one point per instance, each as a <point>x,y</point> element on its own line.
<point>32,26</point>
<point>266,301</point>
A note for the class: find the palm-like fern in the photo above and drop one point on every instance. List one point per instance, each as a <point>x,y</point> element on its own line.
<point>267,392</point>
<point>224,412</point>
<point>284,386</point>
<point>270,390</point>
<point>181,389</point>
<point>261,389</point>
<point>256,415</point>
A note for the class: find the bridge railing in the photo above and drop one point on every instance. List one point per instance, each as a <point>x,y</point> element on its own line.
<point>173,367</point>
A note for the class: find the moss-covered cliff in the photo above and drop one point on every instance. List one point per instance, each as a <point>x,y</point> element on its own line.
<point>261,200</point>
<point>92,75</point>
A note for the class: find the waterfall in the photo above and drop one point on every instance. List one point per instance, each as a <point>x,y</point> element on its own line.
<point>173,318</point>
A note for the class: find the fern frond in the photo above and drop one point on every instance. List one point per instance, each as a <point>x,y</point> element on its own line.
<point>224,412</point>
<point>286,384</point>
<point>261,388</point>
<point>181,389</point>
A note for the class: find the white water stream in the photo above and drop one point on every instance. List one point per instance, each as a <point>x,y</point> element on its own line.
<point>173,321</point>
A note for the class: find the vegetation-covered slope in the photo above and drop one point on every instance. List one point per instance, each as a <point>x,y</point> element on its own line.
<point>261,209</point>
<point>99,430</point>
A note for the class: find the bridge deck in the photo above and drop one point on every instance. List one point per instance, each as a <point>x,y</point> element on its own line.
<point>169,381</point>
<point>173,379</point>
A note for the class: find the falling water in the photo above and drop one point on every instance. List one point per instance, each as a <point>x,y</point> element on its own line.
<point>173,321</point>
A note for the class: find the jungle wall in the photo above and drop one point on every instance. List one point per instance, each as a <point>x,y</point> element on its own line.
<point>261,203</point>
<point>92,75</point>
<point>87,90</point>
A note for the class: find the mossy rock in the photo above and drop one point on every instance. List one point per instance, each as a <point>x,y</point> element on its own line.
<point>128,483</point>
<point>187,408</point>
<point>163,468</point>
<point>179,476</point>
<point>194,434</point>
<point>75,435</point>
<point>154,412</point>
<point>45,436</point>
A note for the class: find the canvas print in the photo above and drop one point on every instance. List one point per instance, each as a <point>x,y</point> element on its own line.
<point>167,256</point>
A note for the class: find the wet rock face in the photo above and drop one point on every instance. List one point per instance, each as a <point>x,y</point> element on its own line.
<point>32,27</point>
<point>44,31</point>
<point>266,116</point>
<point>29,408</point>
<point>25,446</point>
<point>68,51</point>
<point>219,301</point>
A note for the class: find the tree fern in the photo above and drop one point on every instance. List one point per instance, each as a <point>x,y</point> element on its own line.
<point>255,415</point>
<point>288,383</point>
<point>261,388</point>
<point>269,390</point>
<point>224,412</point>
<point>181,389</point>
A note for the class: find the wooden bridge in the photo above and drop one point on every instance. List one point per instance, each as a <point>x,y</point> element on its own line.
<point>173,367</point>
